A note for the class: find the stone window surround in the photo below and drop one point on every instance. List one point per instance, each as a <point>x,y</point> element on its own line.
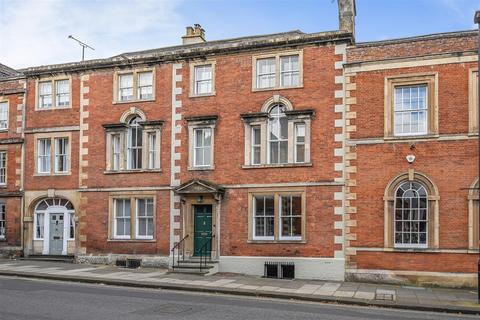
<point>277,192</point>
<point>135,73</point>
<point>261,120</point>
<point>122,130</point>
<point>199,122</point>
<point>473,101</point>
<point>473,217</point>
<point>133,196</point>
<point>52,136</point>
<point>433,210</point>
<point>54,92</point>
<point>4,100</point>
<point>193,65</point>
<point>431,80</point>
<point>277,56</point>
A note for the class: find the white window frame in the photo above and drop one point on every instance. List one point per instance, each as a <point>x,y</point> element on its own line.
<point>138,217</point>
<point>254,145</point>
<point>59,94</point>
<point>45,154</point>
<point>279,140</point>
<point>424,110</point>
<point>135,150</point>
<point>278,70</point>
<point>269,75</point>
<point>411,245</point>
<point>291,72</point>
<point>54,93</point>
<point>297,143</point>
<point>122,89</point>
<point>140,87</point>
<point>254,211</point>
<point>152,149</point>
<point>3,167</point>
<point>3,220</point>
<point>204,148</point>
<point>116,151</point>
<point>207,81</point>
<point>123,217</point>
<point>41,96</point>
<point>39,225</point>
<point>62,156</point>
<point>4,122</point>
<point>281,215</point>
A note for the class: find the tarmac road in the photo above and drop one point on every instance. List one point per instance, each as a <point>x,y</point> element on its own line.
<point>41,300</point>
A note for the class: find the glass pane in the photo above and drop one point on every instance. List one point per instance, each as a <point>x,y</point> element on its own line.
<point>259,227</point>
<point>145,79</point>
<point>286,227</point>
<point>269,206</point>
<point>142,227</point>
<point>207,137</point>
<point>256,136</point>
<point>150,227</point>
<point>206,156</point>
<point>296,205</point>
<point>300,156</point>
<point>199,138</point>
<point>120,227</point>
<point>269,226</point>
<point>141,207</point>
<point>296,227</point>
<point>284,152</point>
<point>274,148</point>
<point>256,155</point>
<point>149,207</point>
<point>259,206</point>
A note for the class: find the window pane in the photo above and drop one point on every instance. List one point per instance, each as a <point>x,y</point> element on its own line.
<point>3,167</point>
<point>45,95</point>
<point>289,71</point>
<point>266,73</point>
<point>411,220</point>
<point>125,87</point>
<point>63,93</point>
<point>3,115</point>
<point>44,155</point>
<point>410,110</point>
<point>145,85</point>
<point>203,79</point>
<point>2,220</point>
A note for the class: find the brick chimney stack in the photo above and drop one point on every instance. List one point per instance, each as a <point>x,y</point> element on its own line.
<point>194,34</point>
<point>346,15</point>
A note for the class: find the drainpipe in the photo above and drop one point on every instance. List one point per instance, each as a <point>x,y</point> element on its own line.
<point>22,169</point>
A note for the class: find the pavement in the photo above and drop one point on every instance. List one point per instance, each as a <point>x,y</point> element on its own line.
<point>352,293</point>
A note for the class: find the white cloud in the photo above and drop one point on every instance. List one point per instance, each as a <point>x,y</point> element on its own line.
<point>34,32</point>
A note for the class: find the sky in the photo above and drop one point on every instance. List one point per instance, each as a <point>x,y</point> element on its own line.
<point>35,32</point>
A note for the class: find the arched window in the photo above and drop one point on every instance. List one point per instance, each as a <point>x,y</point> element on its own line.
<point>411,215</point>
<point>135,144</point>
<point>277,135</point>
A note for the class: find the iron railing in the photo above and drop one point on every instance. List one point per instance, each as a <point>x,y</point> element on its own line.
<point>180,247</point>
<point>205,253</point>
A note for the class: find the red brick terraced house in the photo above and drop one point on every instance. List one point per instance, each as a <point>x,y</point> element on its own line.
<point>412,150</point>
<point>347,161</point>
<point>230,149</point>
<point>12,101</point>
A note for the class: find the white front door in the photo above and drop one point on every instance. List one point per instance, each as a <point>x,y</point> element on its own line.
<point>57,223</point>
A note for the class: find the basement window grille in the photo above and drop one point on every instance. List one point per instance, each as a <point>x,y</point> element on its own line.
<point>279,270</point>
<point>134,263</point>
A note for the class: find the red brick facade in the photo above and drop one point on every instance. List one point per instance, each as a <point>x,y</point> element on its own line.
<point>448,157</point>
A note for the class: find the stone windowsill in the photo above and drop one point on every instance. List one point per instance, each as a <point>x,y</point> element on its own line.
<point>277,88</point>
<point>133,240</point>
<point>251,241</point>
<point>131,171</point>
<point>212,94</point>
<point>412,137</point>
<point>211,168</point>
<point>284,165</point>
<point>134,101</point>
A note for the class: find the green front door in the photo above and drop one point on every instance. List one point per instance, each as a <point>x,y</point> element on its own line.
<point>202,229</point>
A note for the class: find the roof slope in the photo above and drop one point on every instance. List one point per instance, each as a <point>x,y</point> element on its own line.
<point>7,72</point>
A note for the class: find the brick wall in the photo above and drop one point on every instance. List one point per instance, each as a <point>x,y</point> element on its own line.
<point>449,160</point>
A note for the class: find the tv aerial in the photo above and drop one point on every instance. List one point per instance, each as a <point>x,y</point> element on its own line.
<point>82,44</point>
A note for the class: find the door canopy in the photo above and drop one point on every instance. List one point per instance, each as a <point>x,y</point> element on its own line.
<point>202,187</point>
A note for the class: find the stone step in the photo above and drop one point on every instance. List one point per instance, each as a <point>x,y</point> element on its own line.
<point>50,258</point>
